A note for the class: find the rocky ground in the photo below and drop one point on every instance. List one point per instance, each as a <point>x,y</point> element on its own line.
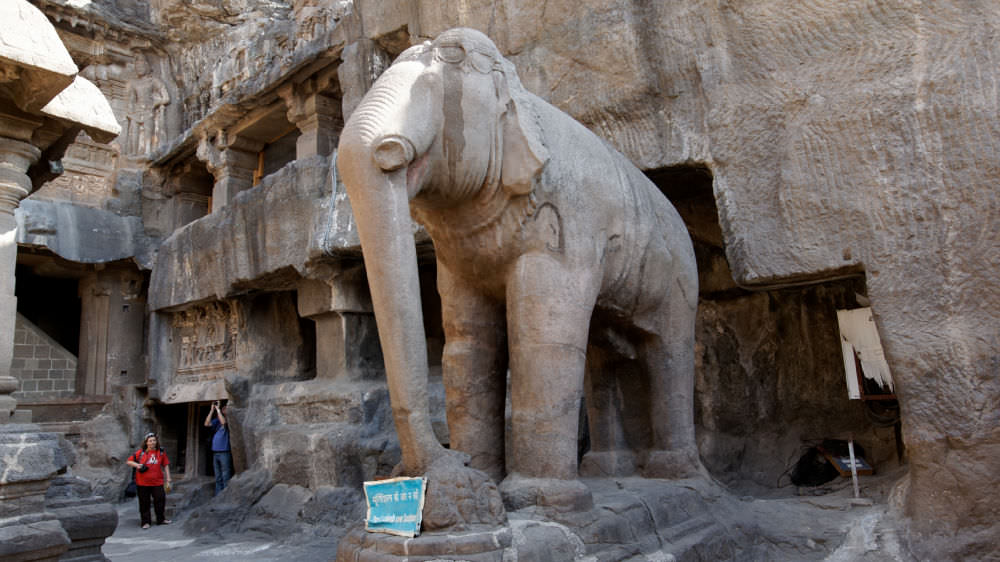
<point>168,543</point>
<point>822,523</point>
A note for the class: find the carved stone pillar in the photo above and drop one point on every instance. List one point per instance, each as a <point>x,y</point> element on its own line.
<point>111,317</point>
<point>232,163</point>
<point>15,158</point>
<point>347,345</point>
<point>316,114</point>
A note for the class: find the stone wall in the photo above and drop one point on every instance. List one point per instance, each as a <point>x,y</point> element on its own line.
<point>46,369</point>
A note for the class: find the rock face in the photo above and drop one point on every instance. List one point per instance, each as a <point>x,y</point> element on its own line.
<point>821,156</point>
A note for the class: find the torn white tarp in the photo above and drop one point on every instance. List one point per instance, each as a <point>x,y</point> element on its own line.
<point>858,335</point>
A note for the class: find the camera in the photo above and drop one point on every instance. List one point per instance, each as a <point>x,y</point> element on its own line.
<point>143,468</point>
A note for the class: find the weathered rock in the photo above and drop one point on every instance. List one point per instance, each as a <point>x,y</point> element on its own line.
<point>333,510</point>
<point>459,497</point>
<point>212,254</point>
<point>277,513</point>
<point>88,519</point>
<point>232,506</point>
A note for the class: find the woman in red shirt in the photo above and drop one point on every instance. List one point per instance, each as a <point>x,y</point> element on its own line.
<point>152,468</point>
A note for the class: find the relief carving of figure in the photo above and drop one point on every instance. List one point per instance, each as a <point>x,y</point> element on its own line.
<point>147,97</point>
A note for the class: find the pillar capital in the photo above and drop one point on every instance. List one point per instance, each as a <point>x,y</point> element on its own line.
<point>232,161</point>
<point>316,114</point>
<point>15,158</point>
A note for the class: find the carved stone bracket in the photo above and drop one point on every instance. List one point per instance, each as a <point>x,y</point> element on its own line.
<point>316,113</point>
<point>232,161</point>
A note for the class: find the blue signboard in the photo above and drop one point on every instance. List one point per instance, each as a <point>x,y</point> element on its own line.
<point>395,506</point>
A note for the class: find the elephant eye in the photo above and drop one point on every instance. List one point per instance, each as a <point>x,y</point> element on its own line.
<point>481,62</point>
<point>451,54</point>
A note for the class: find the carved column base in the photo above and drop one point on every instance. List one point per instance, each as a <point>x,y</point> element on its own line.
<point>28,460</point>
<point>87,519</point>
<point>8,404</point>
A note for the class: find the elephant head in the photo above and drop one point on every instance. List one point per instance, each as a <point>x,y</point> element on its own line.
<point>447,120</point>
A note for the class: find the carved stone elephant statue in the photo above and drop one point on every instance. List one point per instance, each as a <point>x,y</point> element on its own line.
<point>556,259</point>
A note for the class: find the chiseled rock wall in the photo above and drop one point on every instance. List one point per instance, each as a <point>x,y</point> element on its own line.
<point>264,239</point>
<point>841,137</point>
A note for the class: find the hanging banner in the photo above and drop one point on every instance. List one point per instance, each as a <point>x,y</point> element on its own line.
<point>395,506</point>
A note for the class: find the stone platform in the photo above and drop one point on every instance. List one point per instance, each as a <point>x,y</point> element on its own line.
<point>632,517</point>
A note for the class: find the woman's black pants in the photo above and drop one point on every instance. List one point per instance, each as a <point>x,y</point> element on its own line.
<point>159,497</point>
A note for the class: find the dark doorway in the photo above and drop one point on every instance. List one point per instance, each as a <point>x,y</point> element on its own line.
<point>52,304</point>
<point>173,432</point>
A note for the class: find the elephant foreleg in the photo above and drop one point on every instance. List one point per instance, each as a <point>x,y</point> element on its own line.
<point>548,311</point>
<point>548,317</point>
<point>475,373</point>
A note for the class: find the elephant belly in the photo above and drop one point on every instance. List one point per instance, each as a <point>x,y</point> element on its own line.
<point>644,266</point>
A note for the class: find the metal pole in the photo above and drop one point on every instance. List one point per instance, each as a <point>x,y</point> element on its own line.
<point>854,467</point>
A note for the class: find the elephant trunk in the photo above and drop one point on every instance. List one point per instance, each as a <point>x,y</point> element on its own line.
<point>378,142</point>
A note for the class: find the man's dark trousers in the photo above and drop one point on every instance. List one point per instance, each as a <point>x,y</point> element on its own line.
<point>222,463</point>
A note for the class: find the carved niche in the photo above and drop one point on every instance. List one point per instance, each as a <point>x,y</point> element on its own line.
<point>205,337</point>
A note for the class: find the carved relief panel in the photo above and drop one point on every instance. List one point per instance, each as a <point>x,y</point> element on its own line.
<point>205,341</point>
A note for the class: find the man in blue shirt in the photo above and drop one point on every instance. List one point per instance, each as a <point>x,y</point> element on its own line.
<point>222,460</point>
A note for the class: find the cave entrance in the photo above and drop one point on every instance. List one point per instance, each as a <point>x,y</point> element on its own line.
<point>185,438</point>
<point>770,379</point>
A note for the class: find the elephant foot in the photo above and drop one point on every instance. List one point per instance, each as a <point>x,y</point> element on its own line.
<point>458,496</point>
<point>601,464</point>
<point>674,464</point>
<point>562,496</point>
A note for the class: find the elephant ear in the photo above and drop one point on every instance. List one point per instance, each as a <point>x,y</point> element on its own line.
<point>524,153</point>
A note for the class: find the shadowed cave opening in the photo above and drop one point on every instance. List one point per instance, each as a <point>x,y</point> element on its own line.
<point>770,378</point>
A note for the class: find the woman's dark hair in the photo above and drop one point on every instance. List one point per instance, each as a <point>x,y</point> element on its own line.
<point>145,441</point>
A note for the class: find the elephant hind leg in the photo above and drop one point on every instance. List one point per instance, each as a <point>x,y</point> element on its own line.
<point>669,362</point>
<point>608,414</point>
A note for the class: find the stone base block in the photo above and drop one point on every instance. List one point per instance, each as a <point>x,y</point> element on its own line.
<point>31,539</point>
<point>476,545</point>
<point>630,518</point>
<point>88,523</point>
